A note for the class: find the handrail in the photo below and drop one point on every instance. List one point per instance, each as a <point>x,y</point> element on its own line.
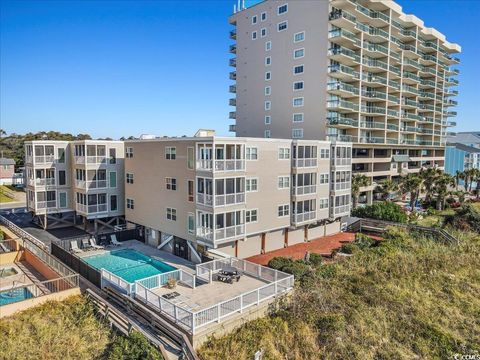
<point>22,233</point>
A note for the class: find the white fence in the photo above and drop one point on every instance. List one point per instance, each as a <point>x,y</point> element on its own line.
<point>116,281</point>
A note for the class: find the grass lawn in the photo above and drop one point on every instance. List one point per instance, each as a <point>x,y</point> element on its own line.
<point>4,198</point>
<point>409,297</point>
<point>67,330</point>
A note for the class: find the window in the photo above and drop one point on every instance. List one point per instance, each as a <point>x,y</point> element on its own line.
<point>268,120</point>
<point>267,134</point>
<point>298,70</point>
<point>254,35</point>
<point>251,153</point>
<point>283,210</point>
<point>263,16</point>
<point>324,153</point>
<point>268,75</point>
<point>268,46</point>
<point>171,183</point>
<point>113,179</point>
<point>299,53</point>
<point>129,178</point>
<point>251,185</point>
<point>282,26</point>
<point>129,152</point>
<point>191,189</point>
<point>268,90</point>
<point>297,102</point>
<point>251,216</point>
<point>190,158</point>
<point>284,182</point>
<point>170,152</point>
<point>300,36</point>
<point>191,223</point>
<point>263,32</point>
<point>113,203</point>
<point>254,19</point>
<point>112,156</point>
<point>130,204</point>
<point>297,133</point>
<point>282,9</point>
<point>323,178</point>
<point>268,105</point>
<point>62,179</point>
<point>61,155</point>
<point>298,85</point>
<point>171,214</point>
<point>62,199</point>
<point>268,61</point>
<point>283,153</point>
<point>323,203</point>
<point>298,117</point>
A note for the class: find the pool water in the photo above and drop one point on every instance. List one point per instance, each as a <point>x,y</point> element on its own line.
<point>128,264</point>
<point>14,295</point>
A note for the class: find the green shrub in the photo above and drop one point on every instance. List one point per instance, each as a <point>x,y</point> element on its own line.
<point>384,210</point>
<point>133,347</point>
<point>465,218</point>
<point>279,262</point>
<point>364,241</point>
<point>316,259</point>
<point>349,248</point>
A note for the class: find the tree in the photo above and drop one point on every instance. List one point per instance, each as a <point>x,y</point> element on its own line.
<point>358,181</point>
<point>468,177</point>
<point>441,185</point>
<point>387,187</point>
<point>459,175</point>
<point>429,176</point>
<point>411,184</point>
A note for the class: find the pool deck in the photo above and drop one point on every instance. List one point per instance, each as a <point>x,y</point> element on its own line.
<point>26,275</point>
<point>206,295</point>
<point>154,253</point>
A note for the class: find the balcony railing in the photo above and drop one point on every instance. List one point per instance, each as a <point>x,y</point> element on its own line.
<point>229,165</point>
<point>42,182</point>
<point>339,210</point>
<point>43,159</point>
<point>230,232</point>
<point>342,104</point>
<point>344,51</point>
<point>304,190</point>
<point>343,161</point>
<point>46,204</point>
<point>371,140</point>
<point>344,69</point>
<point>204,199</point>
<point>341,120</point>
<point>341,185</point>
<point>305,162</point>
<point>341,86</point>
<point>303,217</point>
<point>229,199</point>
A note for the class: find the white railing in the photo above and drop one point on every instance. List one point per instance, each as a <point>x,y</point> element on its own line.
<point>81,208</point>
<point>342,185</point>
<point>111,279</point>
<point>305,190</point>
<point>229,199</point>
<point>343,161</point>
<point>308,162</point>
<point>22,233</point>
<point>79,160</point>
<point>42,159</point>
<point>97,208</point>
<point>229,232</point>
<point>46,204</point>
<point>80,183</point>
<point>229,165</point>
<point>96,184</point>
<point>341,209</point>
<point>204,164</point>
<point>205,232</point>
<point>96,159</point>
<point>42,182</point>
<point>306,216</point>
<point>205,199</point>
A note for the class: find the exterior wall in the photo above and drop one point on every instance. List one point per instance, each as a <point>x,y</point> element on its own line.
<point>454,160</point>
<point>332,228</point>
<point>251,246</point>
<point>228,248</point>
<point>8,258</point>
<point>6,172</point>
<point>316,232</point>
<point>40,266</point>
<point>296,236</point>
<point>275,240</point>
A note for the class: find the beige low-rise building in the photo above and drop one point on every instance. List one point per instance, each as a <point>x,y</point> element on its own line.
<point>80,178</point>
<point>235,196</point>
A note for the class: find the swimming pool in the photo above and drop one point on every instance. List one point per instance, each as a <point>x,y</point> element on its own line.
<point>128,264</point>
<point>14,295</point>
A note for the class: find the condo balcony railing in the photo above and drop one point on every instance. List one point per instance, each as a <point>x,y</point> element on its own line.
<point>303,217</point>
<point>341,137</point>
<point>427,57</point>
<point>336,14</point>
<point>395,55</point>
<point>232,102</point>
<point>232,128</point>
<point>411,116</point>
<point>221,165</point>
<point>366,61</point>
<point>426,82</point>
<point>408,47</point>
<point>409,102</point>
<point>230,232</point>
<point>392,113</point>
<point>233,49</point>
<point>304,190</point>
<point>374,94</point>
<point>409,129</point>
<point>450,113</point>
<point>392,127</point>
<point>394,84</point>
<point>395,70</point>
<point>371,30</point>
<point>415,64</point>
<point>42,182</point>
<point>372,109</point>
<point>372,125</point>
<point>451,103</point>
<point>412,76</point>
<point>91,209</point>
<point>451,81</point>
<point>341,86</point>
<point>336,33</point>
<point>79,160</point>
<point>233,34</point>
<point>340,186</point>
<point>342,104</point>
<point>392,141</point>
<point>341,120</point>
<point>42,159</point>
<point>229,199</point>
<point>46,204</point>
<point>204,199</point>
<point>232,115</point>
<point>345,52</point>
<point>409,89</point>
<point>373,47</point>
<point>344,70</point>
<point>371,140</point>
<point>451,92</point>
<point>233,75</point>
<point>429,107</point>
<point>304,162</point>
<point>91,184</point>
<point>372,14</point>
<point>393,98</point>
<point>374,78</point>
<point>343,161</point>
<point>232,62</point>
<point>428,70</point>
<point>340,210</point>
<point>424,94</point>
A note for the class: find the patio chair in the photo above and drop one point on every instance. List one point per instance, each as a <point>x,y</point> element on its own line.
<point>94,245</point>
<point>74,247</point>
<point>86,245</point>
<point>114,241</point>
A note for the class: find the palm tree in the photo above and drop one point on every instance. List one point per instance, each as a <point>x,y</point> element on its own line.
<point>411,184</point>
<point>387,187</point>
<point>469,174</point>
<point>429,175</point>
<point>358,181</point>
<point>442,185</point>
<point>459,175</point>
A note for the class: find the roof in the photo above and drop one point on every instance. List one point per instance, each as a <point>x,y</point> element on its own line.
<point>401,158</point>
<point>466,148</point>
<point>7,161</point>
<point>465,138</point>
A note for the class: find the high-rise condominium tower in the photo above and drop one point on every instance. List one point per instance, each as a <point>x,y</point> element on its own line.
<point>359,71</point>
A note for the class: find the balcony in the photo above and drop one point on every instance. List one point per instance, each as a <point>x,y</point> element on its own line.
<point>450,92</point>
<point>424,94</point>
<point>233,34</point>
<point>451,82</point>
<point>428,59</point>
<point>340,210</point>
<point>341,121</point>
<point>44,159</point>
<point>411,116</point>
<point>304,190</point>
<point>374,79</point>
<point>305,162</point>
<point>221,165</point>
<point>372,110</point>
<point>94,160</point>
<point>343,37</point>
<point>409,64</point>
<point>91,209</point>
<point>229,199</point>
<point>338,186</point>
<point>232,115</point>
<point>342,19</point>
<point>375,17</point>
<point>46,204</point>
<point>343,72</point>
<point>371,140</point>
<point>393,127</point>
<point>451,103</point>
<point>375,50</point>
<point>374,64</point>
<point>91,184</point>
<point>232,62</point>
<point>347,56</point>
<point>341,88</point>
<point>450,113</point>
<point>233,75</point>
<point>342,105</point>
<point>342,161</point>
<point>205,199</point>
<point>304,217</point>
<point>428,70</point>
<point>372,125</point>
<point>409,89</point>
<point>233,49</point>
<point>392,113</point>
<point>232,102</point>
<point>232,89</point>
<point>374,94</point>
<point>411,77</point>
<point>232,128</point>
<point>42,182</point>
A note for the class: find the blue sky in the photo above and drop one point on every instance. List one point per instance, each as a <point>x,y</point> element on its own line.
<point>161,67</point>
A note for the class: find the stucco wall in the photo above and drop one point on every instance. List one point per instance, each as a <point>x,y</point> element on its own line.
<point>40,266</point>
<point>252,246</point>
<point>274,240</point>
<point>296,236</point>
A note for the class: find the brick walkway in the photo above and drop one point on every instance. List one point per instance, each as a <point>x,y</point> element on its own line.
<point>323,246</point>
